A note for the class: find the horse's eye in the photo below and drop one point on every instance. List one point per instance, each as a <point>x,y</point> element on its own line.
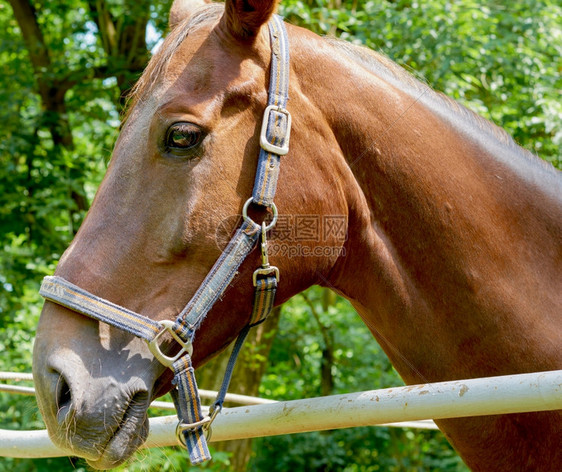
<point>183,136</point>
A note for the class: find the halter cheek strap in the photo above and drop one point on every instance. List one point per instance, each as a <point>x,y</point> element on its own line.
<point>274,143</point>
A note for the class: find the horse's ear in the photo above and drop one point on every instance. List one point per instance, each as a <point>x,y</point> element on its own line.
<point>181,9</point>
<point>244,18</point>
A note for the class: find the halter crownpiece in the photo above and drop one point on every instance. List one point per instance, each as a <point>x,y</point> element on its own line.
<point>274,143</point>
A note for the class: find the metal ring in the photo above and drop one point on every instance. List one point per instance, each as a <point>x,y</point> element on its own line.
<point>181,427</point>
<point>249,220</point>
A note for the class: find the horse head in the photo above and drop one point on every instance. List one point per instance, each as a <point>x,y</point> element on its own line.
<point>181,171</point>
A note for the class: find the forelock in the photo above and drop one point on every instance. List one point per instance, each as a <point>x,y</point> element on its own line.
<point>157,65</point>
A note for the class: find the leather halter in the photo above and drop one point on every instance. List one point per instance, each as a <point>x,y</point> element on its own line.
<point>274,143</point>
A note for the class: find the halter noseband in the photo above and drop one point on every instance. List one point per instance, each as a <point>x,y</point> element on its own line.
<point>274,143</point>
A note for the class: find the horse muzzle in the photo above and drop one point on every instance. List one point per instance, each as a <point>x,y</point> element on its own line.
<point>93,407</point>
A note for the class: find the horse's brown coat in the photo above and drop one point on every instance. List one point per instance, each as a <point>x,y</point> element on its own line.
<point>454,235</point>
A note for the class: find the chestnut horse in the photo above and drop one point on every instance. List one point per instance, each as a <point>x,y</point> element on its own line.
<point>452,254</point>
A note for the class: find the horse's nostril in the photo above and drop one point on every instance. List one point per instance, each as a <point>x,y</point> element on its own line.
<point>63,397</point>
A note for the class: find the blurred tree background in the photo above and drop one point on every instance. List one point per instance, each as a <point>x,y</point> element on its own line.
<point>66,66</point>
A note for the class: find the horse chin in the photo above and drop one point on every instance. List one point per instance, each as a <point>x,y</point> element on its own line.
<point>105,446</point>
<point>126,439</point>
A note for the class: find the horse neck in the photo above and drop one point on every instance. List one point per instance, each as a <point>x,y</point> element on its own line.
<point>449,224</point>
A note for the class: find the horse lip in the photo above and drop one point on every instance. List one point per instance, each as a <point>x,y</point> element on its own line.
<point>126,437</point>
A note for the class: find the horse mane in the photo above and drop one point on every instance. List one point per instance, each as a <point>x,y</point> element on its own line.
<point>202,16</point>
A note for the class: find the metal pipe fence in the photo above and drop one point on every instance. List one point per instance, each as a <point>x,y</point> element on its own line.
<point>521,393</point>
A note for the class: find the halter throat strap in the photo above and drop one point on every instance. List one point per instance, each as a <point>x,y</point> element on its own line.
<point>274,143</point>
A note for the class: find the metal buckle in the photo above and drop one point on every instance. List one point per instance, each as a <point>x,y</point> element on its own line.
<point>265,271</point>
<point>182,427</point>
<point>205,423</point>
<point>167,326</point>
<point>264,142</point>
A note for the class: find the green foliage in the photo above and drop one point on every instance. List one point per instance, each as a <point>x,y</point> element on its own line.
<point>357,450</point>
<point>501,60</point>
<point>172,459</point>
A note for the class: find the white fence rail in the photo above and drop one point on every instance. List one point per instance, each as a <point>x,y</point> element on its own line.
<point>475,397</point>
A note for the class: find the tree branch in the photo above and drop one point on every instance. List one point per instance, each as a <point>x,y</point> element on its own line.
<point>39,56</point>
<point>52,95</point>
<point>106,26</point>
<point>327,379</point>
